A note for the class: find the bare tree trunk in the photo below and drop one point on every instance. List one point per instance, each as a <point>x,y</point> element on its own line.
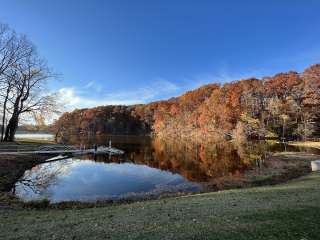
<point>11,128</point>
<point>14,120</point>
<point>4,110</point>
<point>3,118</point>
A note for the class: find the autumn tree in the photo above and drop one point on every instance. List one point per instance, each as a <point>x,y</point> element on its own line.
<point>286,105</point>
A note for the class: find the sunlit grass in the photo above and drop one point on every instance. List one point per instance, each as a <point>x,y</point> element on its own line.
<point>306,144</point>
<point>285,211</point>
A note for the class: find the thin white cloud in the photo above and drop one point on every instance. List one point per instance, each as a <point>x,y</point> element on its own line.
<point>73,97</point>
<point>68,96</point>
<point>141,95</point>
<point>92,95</point>
<point>93,86</point>
<point>223,76</point>
<point>89,85</point>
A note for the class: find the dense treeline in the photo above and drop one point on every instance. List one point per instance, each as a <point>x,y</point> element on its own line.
<point>101,120</point>
<point>285,106</point>
<point>35,128</point>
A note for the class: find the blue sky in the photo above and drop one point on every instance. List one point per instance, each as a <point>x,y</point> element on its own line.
<point>125,51</point>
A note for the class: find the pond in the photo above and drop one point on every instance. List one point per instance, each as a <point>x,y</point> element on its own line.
<point>150,168</point>
<point>76,179</point>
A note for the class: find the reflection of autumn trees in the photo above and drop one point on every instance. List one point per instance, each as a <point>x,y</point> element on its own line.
<point>198,162</point>
<point>41,176</point>
<point>205,160</point>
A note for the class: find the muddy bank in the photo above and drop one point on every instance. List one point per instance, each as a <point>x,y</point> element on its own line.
<point>280,167</point>
<point>13,167</point>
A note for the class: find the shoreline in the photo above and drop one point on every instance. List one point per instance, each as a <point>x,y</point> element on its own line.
<point>310,144</point>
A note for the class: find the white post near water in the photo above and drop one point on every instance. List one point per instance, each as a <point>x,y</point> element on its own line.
<point>315,165</point>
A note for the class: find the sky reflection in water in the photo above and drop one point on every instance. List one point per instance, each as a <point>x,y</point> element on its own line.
<point>86,180</point>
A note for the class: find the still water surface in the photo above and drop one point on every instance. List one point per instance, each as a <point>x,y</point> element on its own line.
<point>150,167</point>
<point>76,179</point>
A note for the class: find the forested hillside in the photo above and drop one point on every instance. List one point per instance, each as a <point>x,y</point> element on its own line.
<point>284,105</point>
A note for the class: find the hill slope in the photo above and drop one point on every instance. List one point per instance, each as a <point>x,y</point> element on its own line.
<point>284,105</point>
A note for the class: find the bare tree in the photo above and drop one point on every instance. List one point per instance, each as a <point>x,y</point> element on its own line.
<point>5,94</point>
<point>23,77</point>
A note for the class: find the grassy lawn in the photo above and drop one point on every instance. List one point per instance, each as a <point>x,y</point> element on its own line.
<point>285,211</point>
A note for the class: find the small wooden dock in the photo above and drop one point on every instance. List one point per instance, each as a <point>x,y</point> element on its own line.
<point>67,151</point>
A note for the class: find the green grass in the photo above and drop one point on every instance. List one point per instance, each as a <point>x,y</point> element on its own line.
<point>286,211</point>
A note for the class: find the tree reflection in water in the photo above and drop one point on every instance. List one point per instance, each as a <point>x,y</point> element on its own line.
<point>198,162</point>
<point>201,162</point>
<point>37,180</point>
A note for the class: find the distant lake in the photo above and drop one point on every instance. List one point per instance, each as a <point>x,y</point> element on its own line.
<point>151,167</point>
<point>34,136</point>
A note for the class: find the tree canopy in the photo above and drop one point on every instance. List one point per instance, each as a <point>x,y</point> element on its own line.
<point>285,105</point>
